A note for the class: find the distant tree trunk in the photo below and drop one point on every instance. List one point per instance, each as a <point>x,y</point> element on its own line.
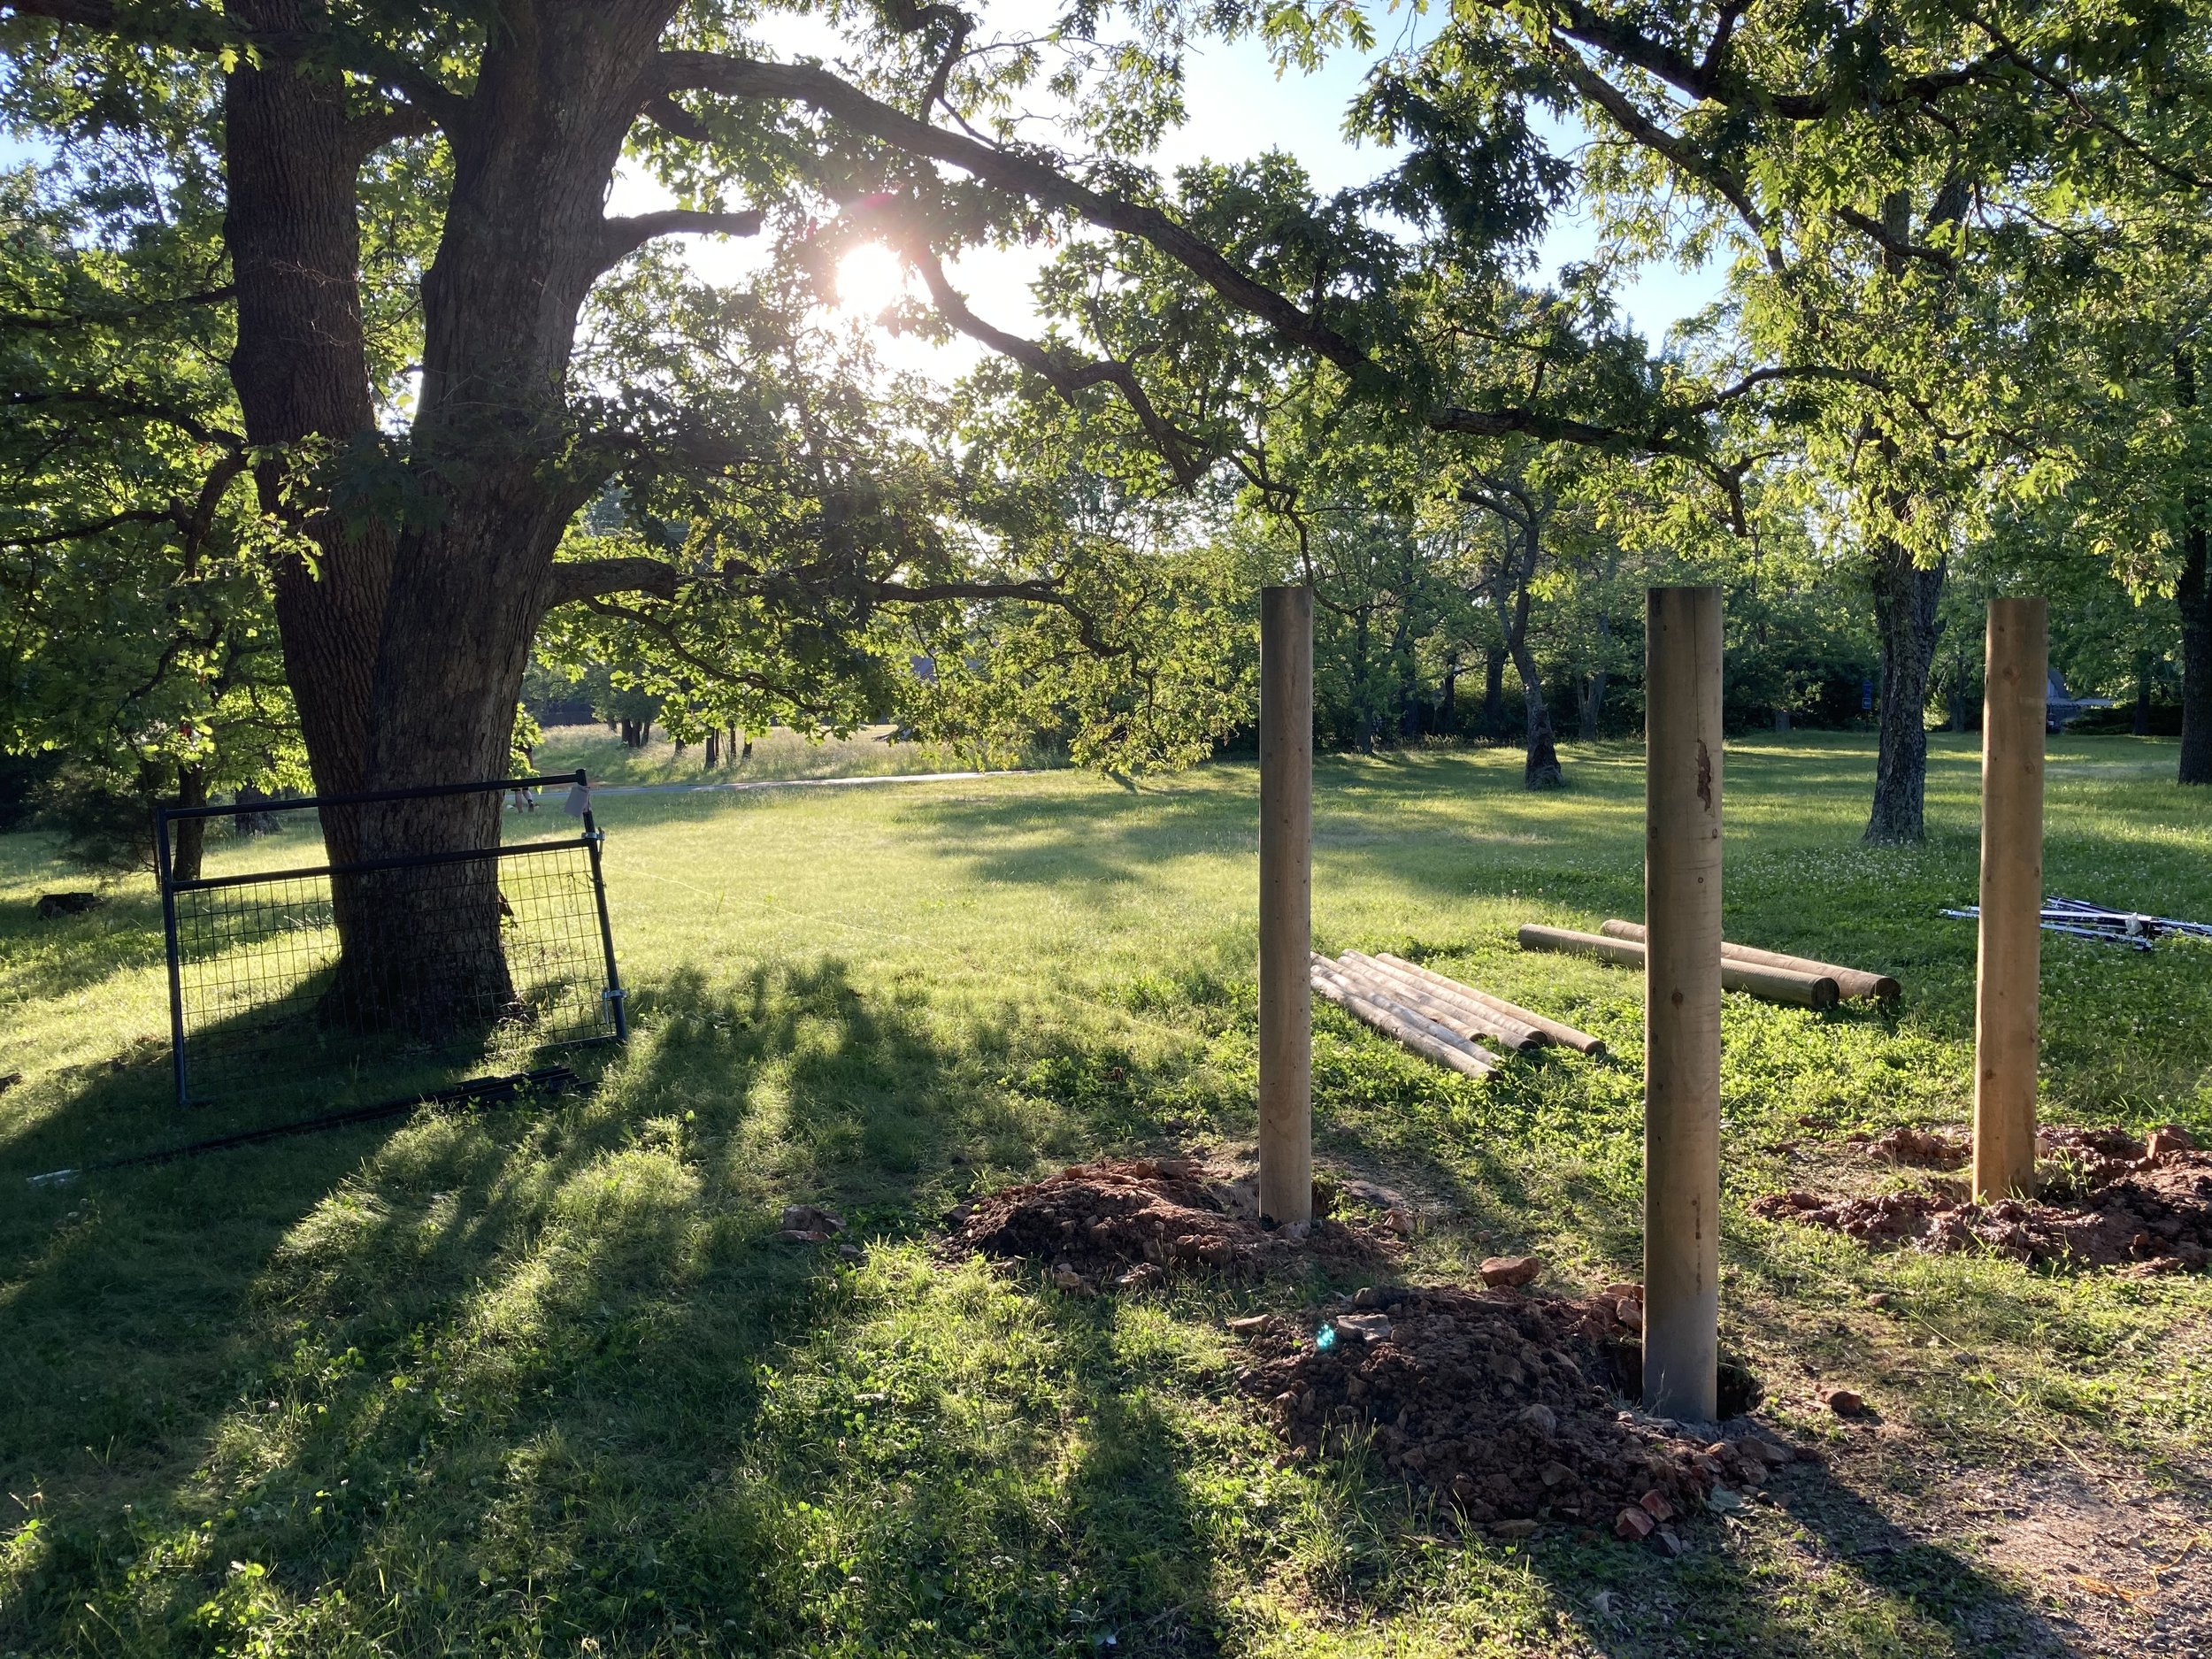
<point>1493,693</point>
<point>1905,600</point>
<point>2142,700</point>
<point>1592,703</point>
<point>1781,718</point>
<point>188,842</point>
<point>1540,768</point>
<point>714,752</point>
<point>2193,597</point>
<point>1594,685</point>
<point>1447,712</point>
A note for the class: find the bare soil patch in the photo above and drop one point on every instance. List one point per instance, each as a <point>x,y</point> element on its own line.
<point>1122,1224</point>
<point>1501,1405</point>
<point>2108,1201</point>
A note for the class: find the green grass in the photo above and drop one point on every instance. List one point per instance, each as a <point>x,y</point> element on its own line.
<point>540,1381</point>
<point>779,755</point>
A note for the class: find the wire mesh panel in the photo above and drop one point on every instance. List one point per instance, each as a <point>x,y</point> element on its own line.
<point>376,978</point>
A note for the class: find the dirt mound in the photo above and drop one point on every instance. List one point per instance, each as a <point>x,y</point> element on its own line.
<point>1501,1405</point>
<point>1123,1223</point>
<point>1929,1148</point>
<point>2113,1202</point>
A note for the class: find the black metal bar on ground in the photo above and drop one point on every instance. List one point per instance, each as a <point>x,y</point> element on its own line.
<point>476,1091</point>
<point>616,998</point>
<point>164,875</point>
<point>410,861</point>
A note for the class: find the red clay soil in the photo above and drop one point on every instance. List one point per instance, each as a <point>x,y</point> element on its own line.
<point>1123,1223</point>
<point>2112,1202</point>
<point>1500,1404</point>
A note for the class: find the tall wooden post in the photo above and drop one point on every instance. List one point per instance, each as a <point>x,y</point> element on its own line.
<point>2006,988</point>
<point>1286,903</point>
<point>1682,789</point>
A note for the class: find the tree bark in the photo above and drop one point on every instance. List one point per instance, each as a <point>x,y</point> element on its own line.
<point>406,650</point>
<point>1906,596</point>
<point>301,370</point>
<point>1493,693</point>
<point>2192,597</point>
<point>187,845</point>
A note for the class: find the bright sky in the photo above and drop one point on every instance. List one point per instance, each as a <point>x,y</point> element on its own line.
<point>1240,108</point>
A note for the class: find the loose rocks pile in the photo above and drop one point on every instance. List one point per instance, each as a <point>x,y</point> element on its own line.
<point>2114,1202</point>
<point>1126,1223</point>
<point>1500,1405</point>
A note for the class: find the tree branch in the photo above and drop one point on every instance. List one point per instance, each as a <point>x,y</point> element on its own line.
<point>1673,146</point>
<point>620,237</point>
<point>1020,172</point>
<point>1176,447</point>
<point>1904,247</point>
<point>590,578</point>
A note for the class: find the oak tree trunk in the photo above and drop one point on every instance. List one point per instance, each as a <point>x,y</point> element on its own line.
<point>188,842</point>
<point>405,649</point>
<point>1906,596</point>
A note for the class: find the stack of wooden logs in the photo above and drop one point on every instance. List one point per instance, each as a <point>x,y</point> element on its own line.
<point>1437,1018</point>
<point>1767,973</point>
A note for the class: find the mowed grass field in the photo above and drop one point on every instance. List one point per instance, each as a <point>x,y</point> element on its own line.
<point>537,1380</point>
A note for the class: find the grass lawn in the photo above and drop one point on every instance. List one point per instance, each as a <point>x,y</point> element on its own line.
<point>779,755</point>
<point>539,1381</point>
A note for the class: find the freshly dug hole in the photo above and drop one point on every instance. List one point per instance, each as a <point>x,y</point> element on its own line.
<point>1123,1223</point>
<point>1500,1405</point>
<point>2113,1202</point>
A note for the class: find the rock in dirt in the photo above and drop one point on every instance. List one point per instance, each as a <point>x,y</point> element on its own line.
<point>1361,1327</point>
<point>1501,1404</point>
<point>2112,1203</point>
<point>810,1218</point>
<point>1103,1220</point>
<point>1505,1270</point>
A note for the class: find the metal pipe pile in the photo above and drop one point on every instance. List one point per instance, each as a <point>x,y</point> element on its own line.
<point>2079,920</point>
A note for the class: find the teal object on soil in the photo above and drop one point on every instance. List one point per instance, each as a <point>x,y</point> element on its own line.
<point>1325,1337</point>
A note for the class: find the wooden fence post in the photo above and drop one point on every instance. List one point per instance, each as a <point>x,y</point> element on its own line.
<point>1286,903</point>
<point>1682,868</point>
<point>2006,986</point>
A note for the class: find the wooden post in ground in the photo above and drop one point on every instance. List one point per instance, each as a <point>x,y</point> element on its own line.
<point>2006,985</point>
<point>1286,903</point>
<point>1682,794</point>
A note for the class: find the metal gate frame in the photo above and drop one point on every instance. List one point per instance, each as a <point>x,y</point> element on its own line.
<point>590,841</point>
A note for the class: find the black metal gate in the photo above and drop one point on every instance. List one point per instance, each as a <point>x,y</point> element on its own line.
<point>258,1007</point>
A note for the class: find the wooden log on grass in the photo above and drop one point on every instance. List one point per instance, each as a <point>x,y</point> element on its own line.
<point>1472,1020</point>
<point>1816,991</point>
<point>1581,1041</point>
<point>1396,1019</point>
<point>1850,982</point>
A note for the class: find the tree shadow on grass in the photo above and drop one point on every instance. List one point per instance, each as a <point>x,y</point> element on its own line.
<point>518,1378</point>
<point>1819,1570</point>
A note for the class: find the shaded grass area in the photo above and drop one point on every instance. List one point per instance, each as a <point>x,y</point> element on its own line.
<point>539,1380</point>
